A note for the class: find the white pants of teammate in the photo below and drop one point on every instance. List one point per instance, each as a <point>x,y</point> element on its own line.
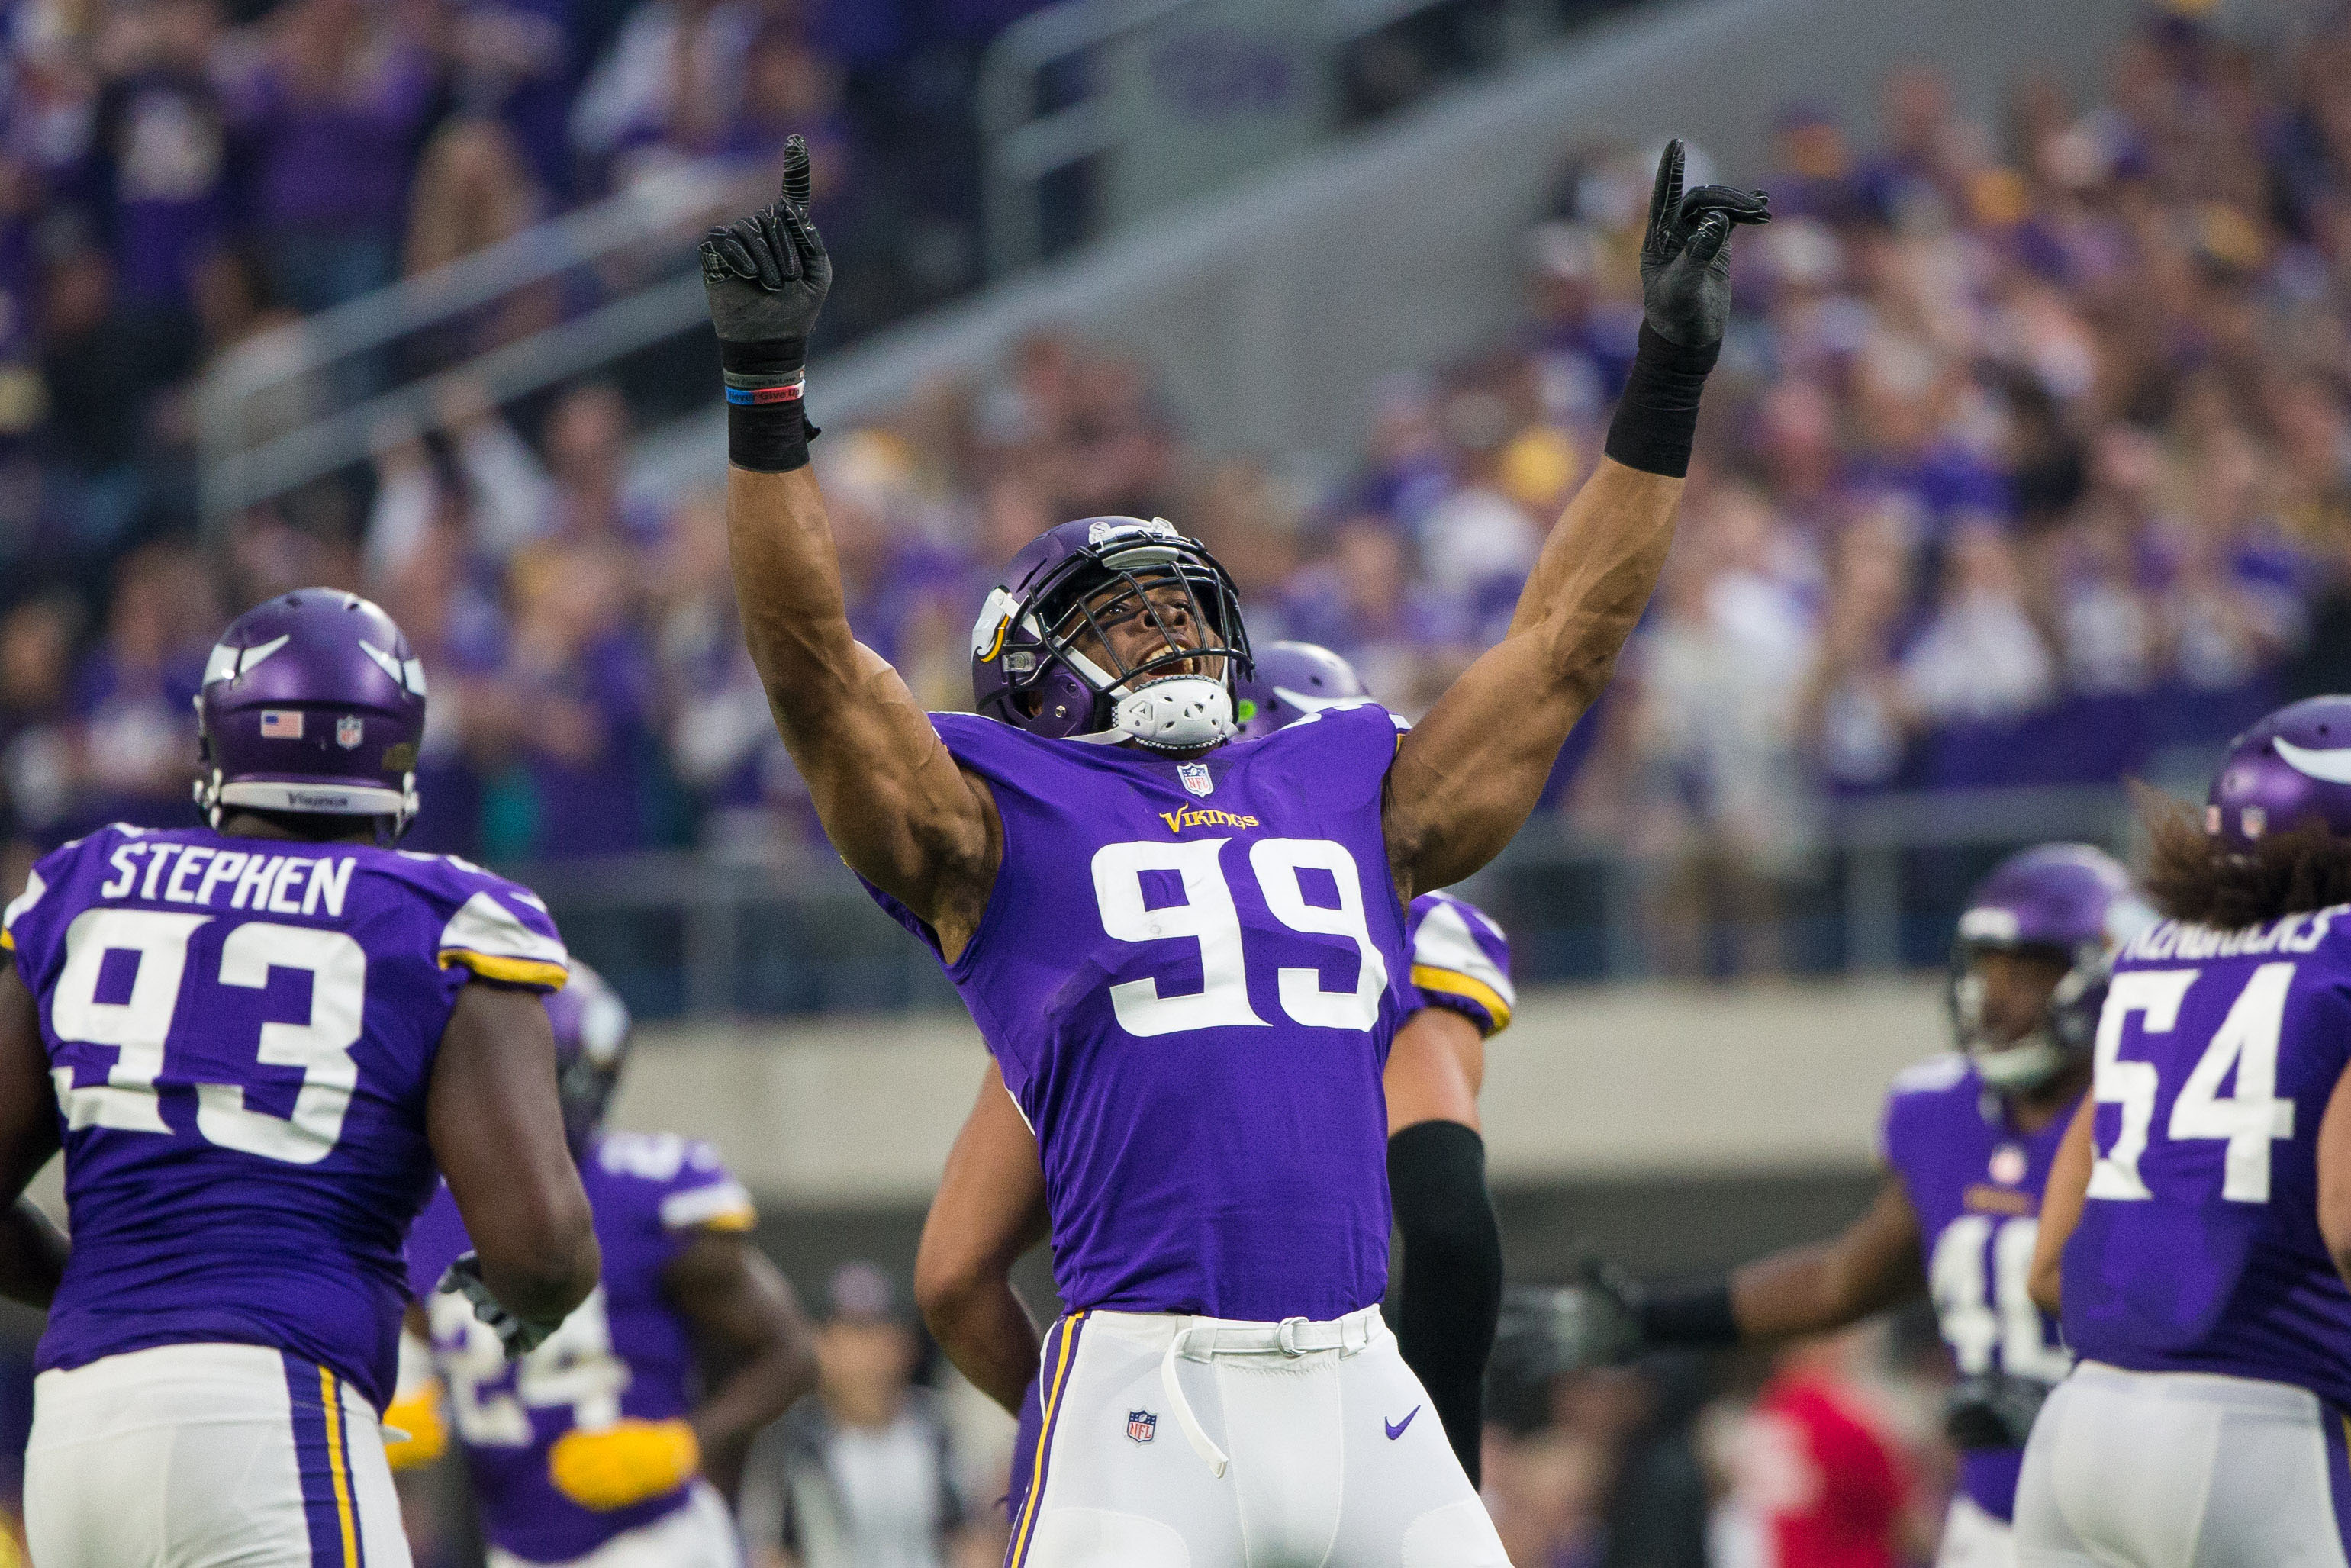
<point>1974,1538</point>
<point>2178,1469</point>
<point>207,1456</point>
<point>699,1535</point>
<point>1328,1451</point>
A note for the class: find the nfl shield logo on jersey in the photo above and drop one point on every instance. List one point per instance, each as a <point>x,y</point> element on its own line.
<point>1142,1425</point>
<point>1195,778</point>
<point>348,731</point>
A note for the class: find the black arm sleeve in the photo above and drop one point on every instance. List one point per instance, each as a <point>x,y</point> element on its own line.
<point>1452,1293</point>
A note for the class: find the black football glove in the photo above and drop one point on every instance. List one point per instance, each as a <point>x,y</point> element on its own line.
<point>1595,1323</point>
<point>766,276</point>
<point>519,1337</point>
<point>1685,253</point>
<point>1994,1410</point>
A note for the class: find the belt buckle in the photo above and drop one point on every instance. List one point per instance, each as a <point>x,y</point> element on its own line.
<point>1285,1335</point>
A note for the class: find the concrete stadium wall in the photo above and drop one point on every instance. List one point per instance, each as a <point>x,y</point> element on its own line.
<point>1269,313</point>
<point>1648,1083</point>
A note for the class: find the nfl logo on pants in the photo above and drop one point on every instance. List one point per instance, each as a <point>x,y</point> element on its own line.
<point>1142,1425</point>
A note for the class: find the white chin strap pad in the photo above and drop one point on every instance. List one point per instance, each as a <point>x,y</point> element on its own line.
<point>1175,713</point>
<point>2024,1066</point>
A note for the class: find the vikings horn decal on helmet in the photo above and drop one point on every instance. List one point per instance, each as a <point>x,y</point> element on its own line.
<point>1291,681</point>
<point>312,702</point>
<point>591,1043</point>
<point>2070,900</point>
<point>2291,770</point>
<point>1043,659</point>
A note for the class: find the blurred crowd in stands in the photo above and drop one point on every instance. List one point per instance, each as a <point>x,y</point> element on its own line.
<point>2026,463</point>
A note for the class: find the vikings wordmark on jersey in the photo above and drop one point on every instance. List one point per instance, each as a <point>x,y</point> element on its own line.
<point>624,1353</point>
<point>1975,1182</point>
<point>241,1031</point>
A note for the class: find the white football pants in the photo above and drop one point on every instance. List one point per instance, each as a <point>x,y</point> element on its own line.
<point>2183,1469</point>
<point>699,1535</point>
<point>207,1456</point>
<point>1185,1442</point>
<point>1974,1538</point>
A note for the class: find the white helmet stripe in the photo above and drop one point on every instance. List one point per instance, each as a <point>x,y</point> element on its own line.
<point>2332,766</point>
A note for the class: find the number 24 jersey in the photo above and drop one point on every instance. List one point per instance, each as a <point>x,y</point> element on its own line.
<point>2199,1248</point>
<point>241,1032</point>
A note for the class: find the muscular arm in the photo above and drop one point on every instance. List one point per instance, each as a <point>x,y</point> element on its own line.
<point>2069,1190</point>
<point>1809,1289</point>
<point>497,1130</point>
<point>740,1305</point>
<point>32,1252</point>
<point>891,798</point>
<point>1469,772</point>
<point>989,1210</point>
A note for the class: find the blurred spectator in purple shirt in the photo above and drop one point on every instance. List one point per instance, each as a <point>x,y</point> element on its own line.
<point>334,120</point>
<point>160,151</point>
<point>133,697</point>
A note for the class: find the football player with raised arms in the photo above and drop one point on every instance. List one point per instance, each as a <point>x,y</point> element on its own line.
<point>2198,1229</point>
<point>594,1449</point>
<point>255,1039</point>
<point>1458,996</point>
<point>1185,955</point>
<point>1968,1141</point>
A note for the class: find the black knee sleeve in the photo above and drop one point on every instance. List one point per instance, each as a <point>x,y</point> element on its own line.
<point>1452,1291</point>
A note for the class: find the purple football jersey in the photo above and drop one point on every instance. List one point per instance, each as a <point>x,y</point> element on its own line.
<point>1189,973</point>
<point>2199,1248</point>
<point>1460,960</point>
<point>1975,1181</point>
<point>623,1352</point>
<point>241,1031</point>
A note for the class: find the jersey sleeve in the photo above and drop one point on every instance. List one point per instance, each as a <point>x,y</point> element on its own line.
<point>499,930</point>
<point>32,927</point>
<point>1910,1101</point>
<point>704,1196</point>
<point>1460,960</point>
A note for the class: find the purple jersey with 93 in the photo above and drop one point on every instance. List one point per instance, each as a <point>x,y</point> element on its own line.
<point>1975,1180</point>
<point>2199,1248</point>
<point>241,1031</point>
<point>1189,974</point>
<point>624,1352</point>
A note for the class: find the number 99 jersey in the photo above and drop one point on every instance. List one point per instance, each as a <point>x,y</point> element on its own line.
<point>2199,1247</point>
<point>241,1032</point>
<point>1975,1181</point>
<point>1189,973</point>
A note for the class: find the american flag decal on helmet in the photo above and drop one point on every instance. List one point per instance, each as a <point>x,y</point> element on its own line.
<point>281,723</point>
<point>1142,1425</point>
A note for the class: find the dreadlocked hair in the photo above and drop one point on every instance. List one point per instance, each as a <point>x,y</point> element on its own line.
<point>2198,877</point>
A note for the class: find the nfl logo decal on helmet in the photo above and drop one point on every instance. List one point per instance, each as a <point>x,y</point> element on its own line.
<point>1195,778</point>
<point>1142,1425</point>
<point>316,653</point>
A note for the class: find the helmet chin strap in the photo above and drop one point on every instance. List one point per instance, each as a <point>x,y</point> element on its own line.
<point>2023,1067</point>
<point>1175,713</point>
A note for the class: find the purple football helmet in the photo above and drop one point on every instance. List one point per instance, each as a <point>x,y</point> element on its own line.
<point>2290,771</point>
<point>312,702</point>
<point>591,1043</point>
<point>2069,901</point>
<point>1289,681</point>
<point>1029,671</point>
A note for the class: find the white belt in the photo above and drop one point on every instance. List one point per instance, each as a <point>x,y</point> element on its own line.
<point>1206,1339</point>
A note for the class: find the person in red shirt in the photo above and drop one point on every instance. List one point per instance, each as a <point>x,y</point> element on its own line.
<point>1815,1481</point>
